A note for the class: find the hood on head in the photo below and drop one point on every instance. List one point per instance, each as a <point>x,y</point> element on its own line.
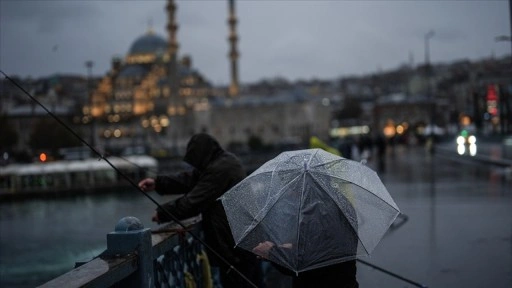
<point>201,150</point>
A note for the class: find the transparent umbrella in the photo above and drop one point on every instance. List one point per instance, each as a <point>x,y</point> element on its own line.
<point>312,208</point>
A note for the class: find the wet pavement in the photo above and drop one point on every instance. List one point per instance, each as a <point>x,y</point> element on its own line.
<point>456,228</point>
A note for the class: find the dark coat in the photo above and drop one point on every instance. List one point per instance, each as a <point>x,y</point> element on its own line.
<point>215,172</point>
<point>341,275</point>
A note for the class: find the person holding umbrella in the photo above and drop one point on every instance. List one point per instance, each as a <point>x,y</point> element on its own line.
<point>339,275</point>
<point>312,213</point>
<point>215,172</point>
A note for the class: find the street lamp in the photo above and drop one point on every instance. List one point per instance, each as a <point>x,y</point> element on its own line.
<point>505,98</point>
<point>428,71</point>
<point>89,64</point>
<point>505,38</point>
<point>428,36</point>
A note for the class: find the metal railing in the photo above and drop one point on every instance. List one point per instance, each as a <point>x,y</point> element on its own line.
<point>139,257</point>
<point>164,258</point>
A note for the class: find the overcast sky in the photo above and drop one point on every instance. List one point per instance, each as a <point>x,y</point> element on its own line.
<point>288,38</point>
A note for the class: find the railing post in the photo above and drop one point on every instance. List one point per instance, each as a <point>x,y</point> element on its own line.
<point>130,236</point>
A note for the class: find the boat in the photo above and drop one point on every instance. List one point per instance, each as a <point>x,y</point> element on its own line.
<point>72,177</point>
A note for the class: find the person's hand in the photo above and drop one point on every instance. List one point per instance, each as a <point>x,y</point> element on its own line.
<point>286,245</point>
<point>147,184</point>
<point>155,218</point>
<point>263,249</point>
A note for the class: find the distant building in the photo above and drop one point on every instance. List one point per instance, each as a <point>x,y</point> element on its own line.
<point>147,97</point>
<point>62,95</point>
<point>290,116</point>
<point>150,99</point>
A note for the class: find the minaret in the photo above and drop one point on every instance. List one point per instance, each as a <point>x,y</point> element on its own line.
<point>172,27</point>
<point>172,50</point>
<point>233,53</point>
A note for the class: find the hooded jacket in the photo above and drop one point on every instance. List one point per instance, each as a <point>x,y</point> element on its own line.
<point>215,172</point>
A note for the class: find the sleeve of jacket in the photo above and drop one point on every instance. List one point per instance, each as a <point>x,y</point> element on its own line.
<point>203,194</point>
<point>179,183</point>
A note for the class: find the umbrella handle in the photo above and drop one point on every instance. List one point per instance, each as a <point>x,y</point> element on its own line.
<point>393,274</point>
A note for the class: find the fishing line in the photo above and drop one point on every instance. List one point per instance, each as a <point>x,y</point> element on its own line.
<point>101,156</point>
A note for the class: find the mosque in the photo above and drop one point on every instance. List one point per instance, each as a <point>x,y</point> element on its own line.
<point>151,94</point>
<point>155,101</point>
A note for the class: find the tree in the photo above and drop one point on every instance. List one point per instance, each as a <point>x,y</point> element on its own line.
<point>8,135</point>
<point>43,138</point>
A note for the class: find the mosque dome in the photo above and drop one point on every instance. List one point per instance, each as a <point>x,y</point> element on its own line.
<point>148,43</point>
<point>133,71</point>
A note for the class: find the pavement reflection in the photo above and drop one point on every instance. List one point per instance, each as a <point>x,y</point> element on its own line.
<point>458,230</point>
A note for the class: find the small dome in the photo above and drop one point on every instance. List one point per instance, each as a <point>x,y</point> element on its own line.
<point>148,43</point>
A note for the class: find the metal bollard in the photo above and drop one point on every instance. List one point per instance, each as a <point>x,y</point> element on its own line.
<point>129,237</point>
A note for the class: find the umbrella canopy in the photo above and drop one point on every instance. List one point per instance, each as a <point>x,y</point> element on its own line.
<point>313,207</point>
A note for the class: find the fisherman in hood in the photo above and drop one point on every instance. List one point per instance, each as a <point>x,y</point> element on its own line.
<point>214,172</point>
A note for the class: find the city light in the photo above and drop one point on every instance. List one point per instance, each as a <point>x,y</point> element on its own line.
<point>347,131</point>
<point>466,143</point>
<point>465,120</point>
<point>164,121</point>
<point>461,140</point>
<point>42,157</point>
<point>400,129</point>
<point>389,131</point>
<point>472,149</point>
<point>461,149</point>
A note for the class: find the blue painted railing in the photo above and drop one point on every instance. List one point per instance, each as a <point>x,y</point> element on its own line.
<point>138,257</point>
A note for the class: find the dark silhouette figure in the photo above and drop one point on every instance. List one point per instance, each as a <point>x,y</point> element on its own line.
<point>215,172</point>
<point>380,143</point>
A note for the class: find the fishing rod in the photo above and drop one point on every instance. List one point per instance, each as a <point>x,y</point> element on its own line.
<point>393,274</point>
<point>104,158</point>
<point>404,218</point>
